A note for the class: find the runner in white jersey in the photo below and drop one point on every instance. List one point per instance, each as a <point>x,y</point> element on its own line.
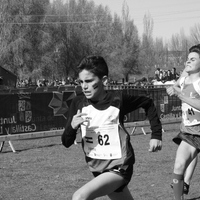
<point>99,114</point>
<point>191,167</point>
<point>188,91</point>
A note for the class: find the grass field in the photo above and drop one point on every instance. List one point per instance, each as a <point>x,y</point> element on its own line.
<point>43,169</point>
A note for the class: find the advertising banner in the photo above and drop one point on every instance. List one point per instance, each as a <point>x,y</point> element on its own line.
<point>33,112</point>
<point>168,107</point>
<point>27,112</point>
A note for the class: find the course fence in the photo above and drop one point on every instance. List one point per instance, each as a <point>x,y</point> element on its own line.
<point>42,112</point>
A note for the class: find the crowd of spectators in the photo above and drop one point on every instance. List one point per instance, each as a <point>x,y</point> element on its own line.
<point>160,76</point>
<point>166,75</point>
<point>46,83</point>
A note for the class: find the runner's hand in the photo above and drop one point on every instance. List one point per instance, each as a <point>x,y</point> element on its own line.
<point>155,145</point>
<point>170,91</point>
<point>77,119</point>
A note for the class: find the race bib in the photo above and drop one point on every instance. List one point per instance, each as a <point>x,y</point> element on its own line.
<point>102,142</point>
<point>190,115</point>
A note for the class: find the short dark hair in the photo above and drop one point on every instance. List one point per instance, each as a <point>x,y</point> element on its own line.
<point>195,48</point>
<point>95,64</point>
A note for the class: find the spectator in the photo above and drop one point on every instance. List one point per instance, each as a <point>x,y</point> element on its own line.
<point>174,74</point>
<point>157,74</point>
<point>168,75</point>
<point>161,76</point>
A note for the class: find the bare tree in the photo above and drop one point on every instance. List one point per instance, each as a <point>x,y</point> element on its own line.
<point>129,45</point>
<point>177,52</point>
<point>147,59</point>
<point>195,34</point>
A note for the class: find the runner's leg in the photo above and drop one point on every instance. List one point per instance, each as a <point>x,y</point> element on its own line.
<point>125,194</point>
<point>102,185</point>
<point>190,171</point>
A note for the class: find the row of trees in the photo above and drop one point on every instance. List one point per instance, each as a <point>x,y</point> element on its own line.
<point>42,39</point>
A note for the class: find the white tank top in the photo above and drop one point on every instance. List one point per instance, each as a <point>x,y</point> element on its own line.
<point>190,115</point>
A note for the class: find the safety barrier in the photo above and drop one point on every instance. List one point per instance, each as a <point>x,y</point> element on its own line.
<point>42,113</point>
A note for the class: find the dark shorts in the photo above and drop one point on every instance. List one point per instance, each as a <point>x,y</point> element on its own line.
<point>193,140</point>
<point>126,174</point>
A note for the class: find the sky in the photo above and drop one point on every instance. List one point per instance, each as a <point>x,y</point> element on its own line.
<point>170,17</point>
